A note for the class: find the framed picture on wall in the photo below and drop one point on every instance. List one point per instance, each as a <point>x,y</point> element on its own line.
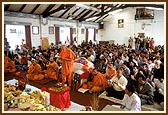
<point>74,30</point>
<point>51,30</point>
<point>35,30</point>
<point>82,31</point>
<point>120,23</point>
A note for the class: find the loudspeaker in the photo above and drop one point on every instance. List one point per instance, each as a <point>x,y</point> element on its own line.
<point>101,26</point>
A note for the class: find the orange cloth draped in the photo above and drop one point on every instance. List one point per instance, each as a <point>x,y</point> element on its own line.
<point>99,83</point>
<point>52,71</point>
<point>67,65</point>
<point>9,66</point>
<point>36,74</point>
<point>110,73</point>
<point>60,99</point>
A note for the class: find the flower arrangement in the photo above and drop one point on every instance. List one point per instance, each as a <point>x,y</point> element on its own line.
<point>43,89</point>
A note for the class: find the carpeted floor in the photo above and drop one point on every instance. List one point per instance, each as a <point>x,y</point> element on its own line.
<point>77,97</point>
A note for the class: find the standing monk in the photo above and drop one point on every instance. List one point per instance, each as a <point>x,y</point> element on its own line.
<point>52,70</point>
<point>35,71</point>
<point>67,57</point>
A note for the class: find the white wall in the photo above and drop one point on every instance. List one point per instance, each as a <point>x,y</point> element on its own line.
<point>131,27</point>
<point>35,22</point>
<point>110,31</point>
<point>44,29</point>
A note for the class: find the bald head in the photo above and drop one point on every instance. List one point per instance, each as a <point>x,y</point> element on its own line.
<point>63,47</point>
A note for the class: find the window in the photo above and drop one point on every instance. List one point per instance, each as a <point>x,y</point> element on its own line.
<point>90,35</point>
<point>15,34</point>
<point>64,34</point>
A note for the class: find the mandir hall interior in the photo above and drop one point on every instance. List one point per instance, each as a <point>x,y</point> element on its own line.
<point>78,26</point>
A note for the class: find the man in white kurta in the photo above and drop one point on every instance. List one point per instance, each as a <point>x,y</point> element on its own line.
<point>132,102</point>
<point>117,86</point>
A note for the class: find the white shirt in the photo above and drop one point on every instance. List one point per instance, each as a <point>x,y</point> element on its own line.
<point>28,63</point>
<point>125,58</point>
<point>101,56</point>
<point>157,61</point>
<point>121,83</point>
<point>111,55</point>
<point>150,66</point>
<point>75,43</point>
<point>136,62</point>
<point>132,103</point>
<point>92,58</point>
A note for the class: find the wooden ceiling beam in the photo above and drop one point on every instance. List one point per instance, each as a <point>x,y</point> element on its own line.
<point>92,15</point>
<point>88,12</point>
<point>103,18</point>
<point>23,6</point>
<point>35,8</point>
<point>65,11</point>
<point>73,13</point>
<point>53,11</point>
<point>47,10</point>
<point>6,7</point>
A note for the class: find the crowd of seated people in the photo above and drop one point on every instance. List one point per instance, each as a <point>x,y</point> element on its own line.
<point>121,64</point>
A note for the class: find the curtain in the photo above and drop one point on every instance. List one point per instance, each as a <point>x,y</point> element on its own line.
<point>94,36</point>
<point>86,38</point>
<point>71,36</point>
<point>57,35</point>
<point>28,36</point>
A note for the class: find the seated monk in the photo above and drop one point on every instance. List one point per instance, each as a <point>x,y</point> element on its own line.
<point>52,70</point>
<point>99,82</point>
<point>9,65</point>
<point>110,72</point>
<point>34,71</point>
<point>24,61</point>
<point>5,61</point>
<point>83,64</point>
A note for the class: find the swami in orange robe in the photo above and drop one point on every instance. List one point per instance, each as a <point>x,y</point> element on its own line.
<point>9,65</point>
<point>110,71</point>
<point>67,57</point>
<point>5,61</point>
<point>99,82</point>
<point>34,71</point>
<point>24,60</point>
<point>52,70</point>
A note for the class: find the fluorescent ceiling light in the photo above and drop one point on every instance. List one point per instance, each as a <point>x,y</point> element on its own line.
<point>115,11</point>
<point>101,18</point>
<point>107,9</point>
<point>70,18</point>
<point>153,8</point>
<point>91,18</point>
